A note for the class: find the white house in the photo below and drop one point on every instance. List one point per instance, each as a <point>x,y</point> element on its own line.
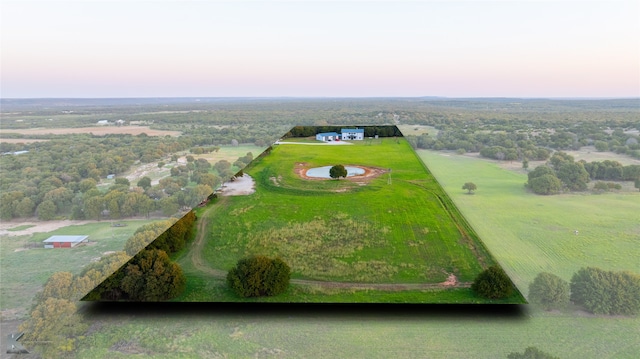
<point>328,136</point>
<point>353,134</point>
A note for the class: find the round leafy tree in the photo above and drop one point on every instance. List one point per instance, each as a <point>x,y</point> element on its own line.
<point>259,276</point>
<point>549,291</point>
<point>470,186</point>
<point>152,276</point>
<point>493,283</point>
<point>338,171</point>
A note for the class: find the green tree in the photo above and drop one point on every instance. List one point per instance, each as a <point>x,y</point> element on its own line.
<point>161,164</point>
<point>93,207</point>
<point>546,184</point>
<point>46,210</point>
<point>601,146</point>
<point>53,320</point>
<point>259,276</point>
<point>87,184</point>
<point>152,276</point>
<point>573,175</point>
<point>122,181</point>
<point>531,353</point>
<point>470,186</point>
<point>549,291</point>
<point>606,292</point>
<point>637,183</point>
<point>493,283</point>
<point>25,207</point>
<point>338,171</point>
<point>525,164</point>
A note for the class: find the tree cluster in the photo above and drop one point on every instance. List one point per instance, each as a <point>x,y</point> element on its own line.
<point>369,131</point>
<point>257,276</point>
<point>83,200</point>
<point>606,292</point>
<point>597,290</point>
<point>562,173</point>
<point>54,324</point>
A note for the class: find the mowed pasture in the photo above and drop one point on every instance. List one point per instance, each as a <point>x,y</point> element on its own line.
<point>402,230</point>
<point>529,233</point>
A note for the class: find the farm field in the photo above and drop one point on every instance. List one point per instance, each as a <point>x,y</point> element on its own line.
<point>430,331</point>
<point>95,130</point>
<point>377,231</point>
<point>529,233</point>
<point>25,270</point>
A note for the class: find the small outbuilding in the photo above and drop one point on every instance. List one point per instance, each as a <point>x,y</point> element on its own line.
<point>64,241</point>
<point>328,136</point>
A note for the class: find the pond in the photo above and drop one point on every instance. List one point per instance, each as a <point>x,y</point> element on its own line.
<point>323,172</point>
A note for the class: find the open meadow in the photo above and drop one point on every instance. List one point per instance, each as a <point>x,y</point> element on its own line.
<point>393,229</point>
<point>529,233</point>
<point>435,331</point>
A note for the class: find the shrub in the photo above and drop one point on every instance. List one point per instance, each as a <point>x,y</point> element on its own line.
<point>549,291</point>
<point>493,283</point>
<point>531,353</point>
<point>259,276</point>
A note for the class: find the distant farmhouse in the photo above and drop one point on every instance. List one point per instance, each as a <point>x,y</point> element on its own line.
<point>346,134</point>
<point>353,134</point>
<point>64,241</point>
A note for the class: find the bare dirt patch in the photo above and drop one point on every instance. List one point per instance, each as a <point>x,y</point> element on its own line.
<point>241,186</point>
<point>97,131</point>
<point>451,281</point>
<point>38,226</point>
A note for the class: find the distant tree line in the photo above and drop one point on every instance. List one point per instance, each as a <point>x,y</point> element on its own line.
<point>563,173</point>
<point>369,131</point>
<point>597,290</point>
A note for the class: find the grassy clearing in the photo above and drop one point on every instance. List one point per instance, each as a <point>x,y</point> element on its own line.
<point>21,227</point>
<point>230,153</point>
<point>358,333</point>
<point>404,232</point>
<point>528,233</point>
<point>25,270</point>
<point>361,335</point>
<point>417,130</point>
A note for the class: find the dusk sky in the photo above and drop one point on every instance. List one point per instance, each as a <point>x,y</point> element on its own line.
<point>320,49</point>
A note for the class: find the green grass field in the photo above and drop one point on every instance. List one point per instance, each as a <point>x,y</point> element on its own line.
<point>25,270</point>
<point>404,232</point>
<point>528,233</point>
<point>568,334</point>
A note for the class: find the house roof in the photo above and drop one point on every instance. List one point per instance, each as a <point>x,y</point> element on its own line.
<point>353,130</point>
<point>70,239</point>
<point>329,134</point>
